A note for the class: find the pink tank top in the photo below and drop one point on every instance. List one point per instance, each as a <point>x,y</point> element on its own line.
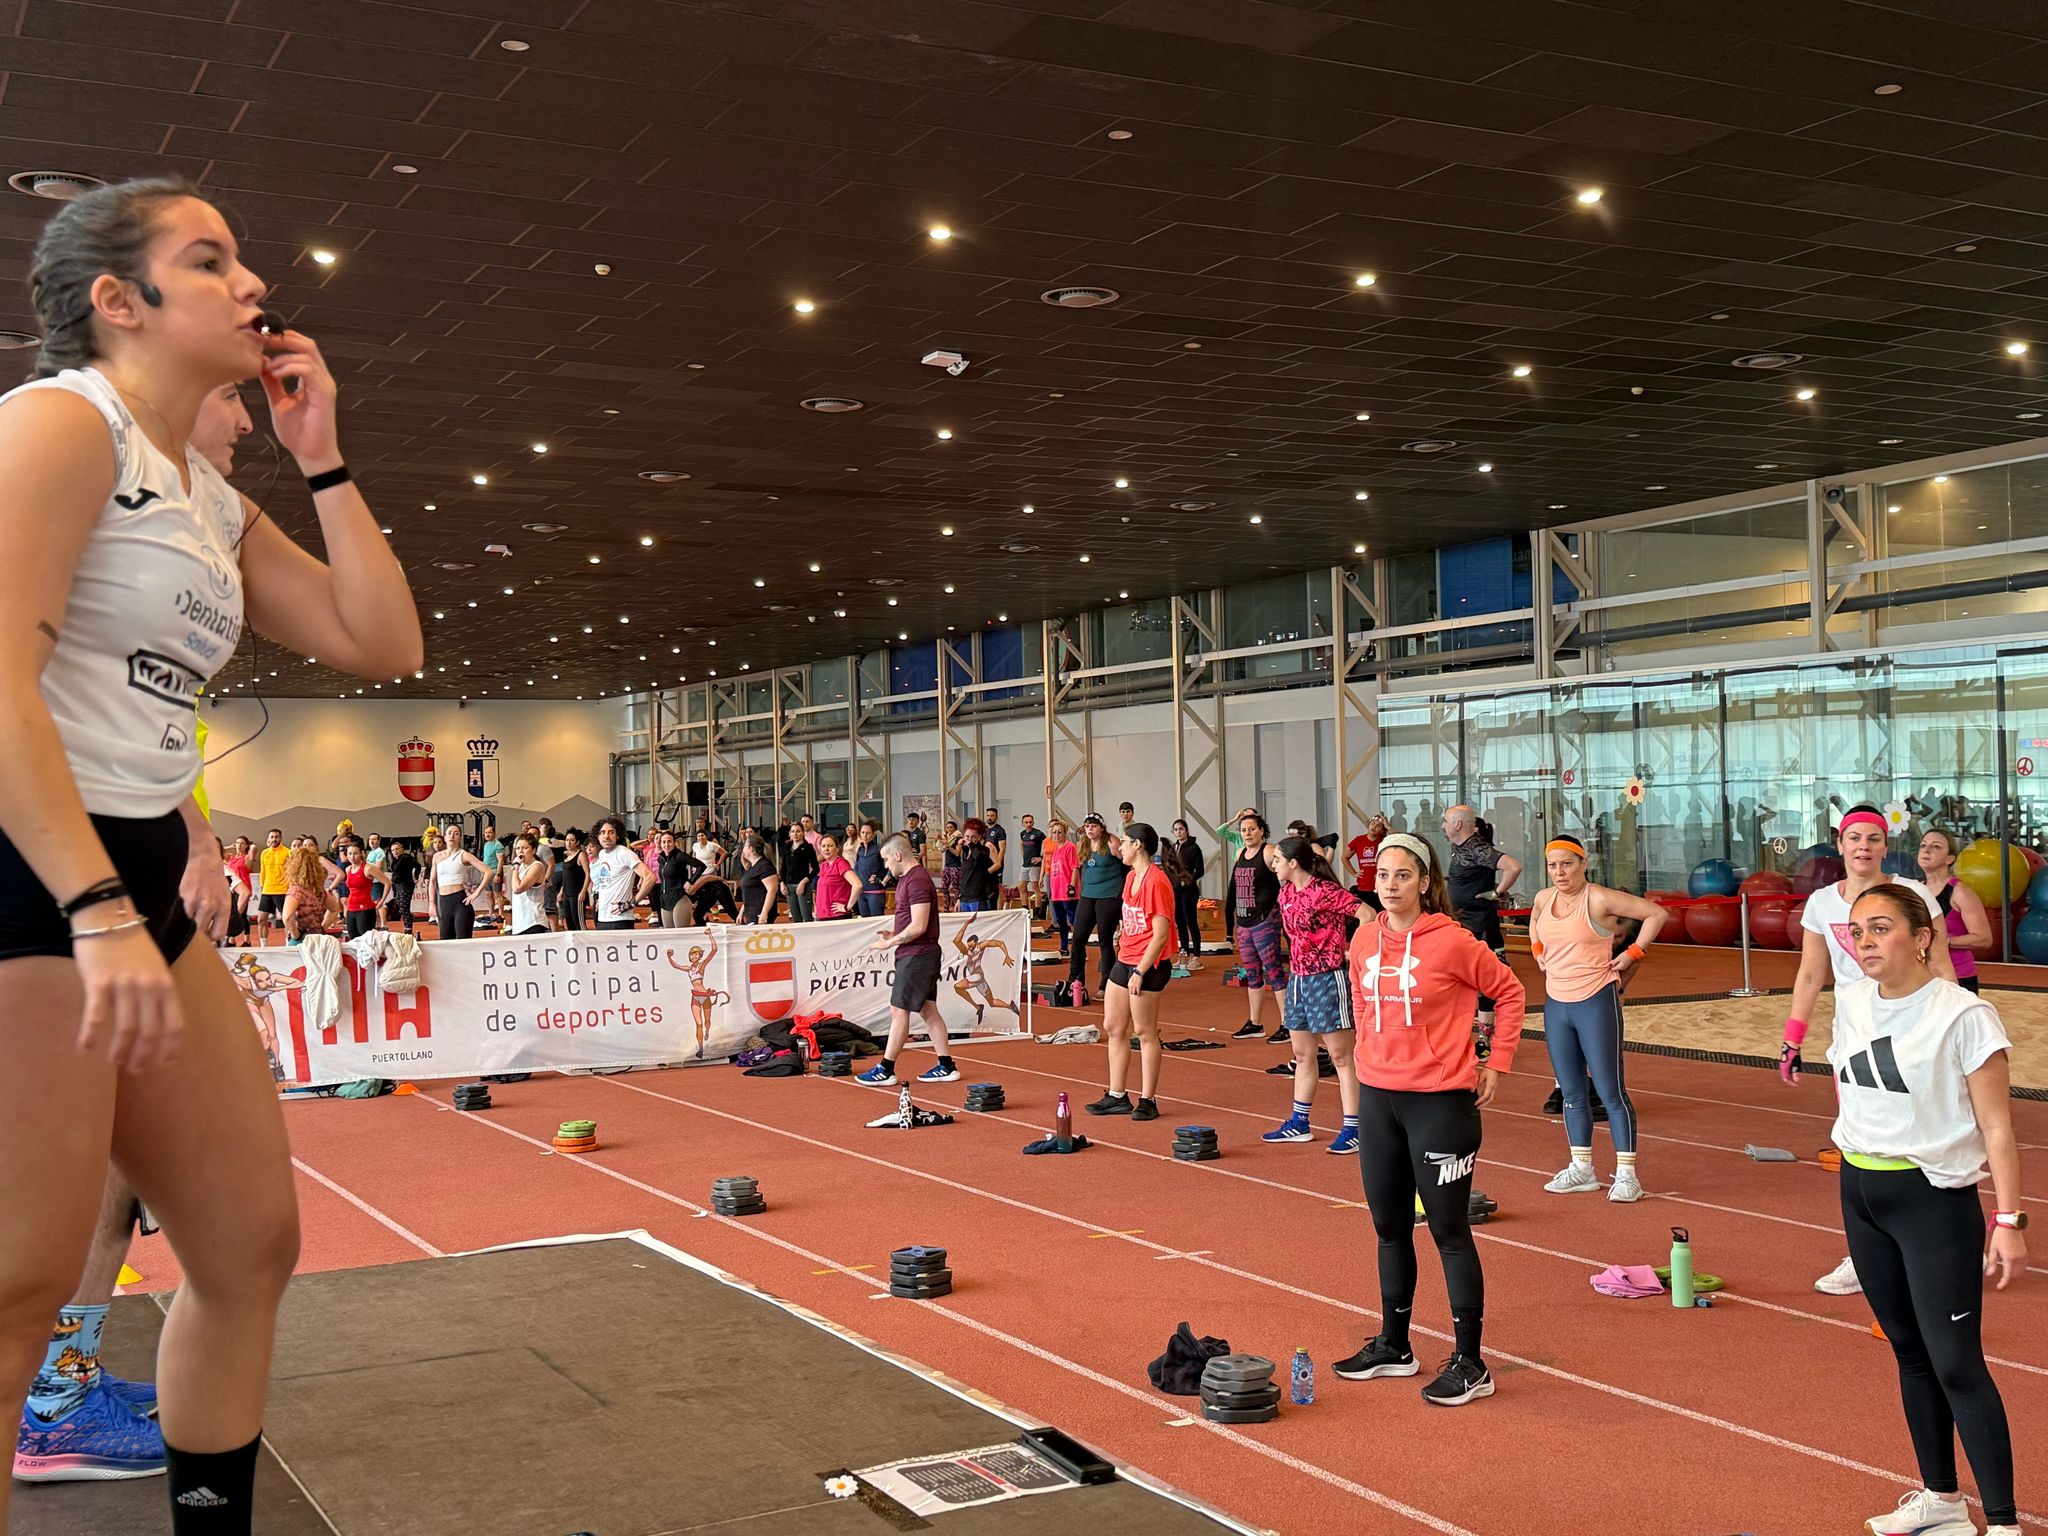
<point>1576,953</point>
<point>1965,961</point>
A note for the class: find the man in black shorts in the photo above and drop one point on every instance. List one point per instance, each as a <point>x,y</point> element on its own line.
<point>914,944</point>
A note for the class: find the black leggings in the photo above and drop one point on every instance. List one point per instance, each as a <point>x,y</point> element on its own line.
<point>1919,1253</point>
<point>1098,915</point>
<point>457,917</point>
<point>401,903</point>
<point>356,924</point>
<point>713,895</point>
<point>1427,1144</point>
<point>1187,901</point>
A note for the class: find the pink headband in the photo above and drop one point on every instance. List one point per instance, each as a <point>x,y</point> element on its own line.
<point>1863,819</point>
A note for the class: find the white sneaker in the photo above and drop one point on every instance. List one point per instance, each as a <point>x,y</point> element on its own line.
<point>1842,1281</point>
<point>1626,1186</point>
<point>2001,1530</point>
<point>1921,1513</point>
<point>1577,1178</point>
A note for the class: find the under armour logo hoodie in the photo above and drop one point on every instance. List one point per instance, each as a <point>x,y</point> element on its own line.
<point>1415,994</point>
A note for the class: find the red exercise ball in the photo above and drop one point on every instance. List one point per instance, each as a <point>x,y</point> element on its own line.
<point>1714,922</point>
<point>1816,870</point>
<point>1765,882</point>
<point>1767,923</point>
<point>1674,904</point>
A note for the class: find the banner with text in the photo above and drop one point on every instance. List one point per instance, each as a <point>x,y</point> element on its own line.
<point>615,999</point>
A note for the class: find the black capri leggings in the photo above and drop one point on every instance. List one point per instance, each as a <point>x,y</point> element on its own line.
<point>1426,1144</point>
<point>714,895</point>
<point>1187,901</point>
<point>1919,1252</point>
<point>1098,915</point>
<point>457,918</point>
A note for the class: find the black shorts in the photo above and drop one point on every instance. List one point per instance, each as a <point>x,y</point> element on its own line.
<point>271,902</point>
<point>917,980</point>
<point>1131,979</point>
<point>149,856</point>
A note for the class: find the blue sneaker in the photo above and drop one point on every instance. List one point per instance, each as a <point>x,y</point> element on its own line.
<point>881,1075</point>
<point>1347,1140</point>
<point>101,1440</point>
<point>939,1075</point>
<point>138,1395</point>
<point>1291,1129</point>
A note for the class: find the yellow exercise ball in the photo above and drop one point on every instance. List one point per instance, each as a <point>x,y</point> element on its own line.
<point>1977,867</point>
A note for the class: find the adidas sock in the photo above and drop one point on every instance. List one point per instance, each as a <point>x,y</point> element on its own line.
<point>71,1364</point>
<point>1351,1122</point>
<point>1300,1115</point>
<point>212,1492</point>
<point>1583,1155</point>
<point>1624,1160</point>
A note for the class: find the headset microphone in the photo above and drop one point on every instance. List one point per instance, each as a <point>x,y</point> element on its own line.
<point>271,323</point>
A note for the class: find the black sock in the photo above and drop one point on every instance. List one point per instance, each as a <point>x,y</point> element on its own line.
<point>888,1063</point>
<point>947,1063</point>
<point>212,1492</point>
<point>1465,1328</point>
<point>1394,1328</point>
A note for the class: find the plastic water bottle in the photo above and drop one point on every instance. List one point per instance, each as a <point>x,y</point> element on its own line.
<point>1681,1267</point>
<point>1063,1125</point>
<point>1304,1375</point>
<point>905,1114</point>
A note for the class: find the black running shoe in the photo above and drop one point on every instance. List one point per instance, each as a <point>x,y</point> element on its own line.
<point>1112,1104</point>
<point>1599,1112</point>
<point>1324,1066</point>
<point>1146,1110</point>
<point>1459,1381</point>
<point>1281,1069</point>
<point>1378,1358</point>
<point>1279,1035</point>
<point>1246,1031</point>
<point>1554,1105</point>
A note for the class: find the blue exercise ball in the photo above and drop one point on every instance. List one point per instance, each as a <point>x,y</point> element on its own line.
<point>2037,890</point>
<point>1902,864</point>
<point>2031,937</point>
<point>1712,877</point>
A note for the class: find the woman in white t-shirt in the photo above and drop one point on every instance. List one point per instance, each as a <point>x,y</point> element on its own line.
<point>618,877</point>
<point>1922,1072</point>
<point>1825,953</point>
<point>525,877</point>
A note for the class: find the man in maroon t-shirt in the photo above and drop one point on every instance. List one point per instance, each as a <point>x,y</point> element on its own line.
<point>914,942</point>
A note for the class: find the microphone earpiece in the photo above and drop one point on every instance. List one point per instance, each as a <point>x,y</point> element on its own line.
<point>271,323</point>
<point>151,294</point>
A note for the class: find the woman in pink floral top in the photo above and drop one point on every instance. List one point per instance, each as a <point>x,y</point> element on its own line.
<point>1313,911</point>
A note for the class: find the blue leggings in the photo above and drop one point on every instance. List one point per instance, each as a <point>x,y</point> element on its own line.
<point>1585,1037</point>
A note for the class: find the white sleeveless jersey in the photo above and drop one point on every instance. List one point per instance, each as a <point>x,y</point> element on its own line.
<point>155,610</point>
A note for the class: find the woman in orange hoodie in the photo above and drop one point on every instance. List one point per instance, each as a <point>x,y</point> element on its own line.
<point>1416,980</point>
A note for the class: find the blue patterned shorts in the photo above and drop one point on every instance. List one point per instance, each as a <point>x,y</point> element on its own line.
<point>1319,1003</point>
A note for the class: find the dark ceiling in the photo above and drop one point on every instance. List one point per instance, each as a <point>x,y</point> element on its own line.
<point>725,158</point>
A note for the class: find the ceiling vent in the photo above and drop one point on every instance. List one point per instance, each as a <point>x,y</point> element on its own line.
<point>780,607</point>
<point>1193,506</point>
<point>1021,549</point>
<point>833,405</point>
<point>16,341</point>
<point>1080,298</point>
<point>1430,445</point>
<point>58,186</point>
<point>885,581</point>
<point>544,527</point>
<point>1770,359</point>
<point>663,476</point>
<point>456,565</point>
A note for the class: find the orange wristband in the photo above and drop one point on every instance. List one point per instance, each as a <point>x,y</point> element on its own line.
<point>1636,950</point>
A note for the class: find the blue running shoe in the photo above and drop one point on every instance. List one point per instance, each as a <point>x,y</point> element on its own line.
<point>102,1440</point>
<point>1291,1129</point>
<point>939,1075</point>
<point>1347,1140</point>
<point>138,1395</point>
<point>881,1075</point>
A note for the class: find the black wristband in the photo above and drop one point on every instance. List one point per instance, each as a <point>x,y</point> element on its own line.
<point>109,889</point>
<point>328,479</point>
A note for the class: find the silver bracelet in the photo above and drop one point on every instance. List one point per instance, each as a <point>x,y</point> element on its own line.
<point>94,933</point>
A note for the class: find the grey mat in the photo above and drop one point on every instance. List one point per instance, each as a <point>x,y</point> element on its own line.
<point>596,1387</point>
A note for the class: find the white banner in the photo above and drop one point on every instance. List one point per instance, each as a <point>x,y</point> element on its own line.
<point>618,998</point>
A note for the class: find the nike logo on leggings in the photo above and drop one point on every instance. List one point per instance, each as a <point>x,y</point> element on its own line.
<point>1957,1317</point>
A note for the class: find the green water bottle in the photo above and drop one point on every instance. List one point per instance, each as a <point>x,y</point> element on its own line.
<point>1681,1267</point>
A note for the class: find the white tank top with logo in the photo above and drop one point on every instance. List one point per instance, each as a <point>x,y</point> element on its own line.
<point>155,610</point>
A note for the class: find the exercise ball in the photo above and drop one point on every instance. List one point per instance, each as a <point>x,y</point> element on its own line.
<point>1978,865</point>
<point>2037,889</point>
<point>1767,923</point>
<point>1711,877</point>
<point>1901,864</point>
<point>1714,922</point>
<point>2035,861</point>
<point>2032,938</point>
<point>1816,867</point>
<point>1767,882</point>
<point>1674,904</point>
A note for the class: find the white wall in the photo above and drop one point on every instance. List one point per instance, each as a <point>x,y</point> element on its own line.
<point>322,759</point>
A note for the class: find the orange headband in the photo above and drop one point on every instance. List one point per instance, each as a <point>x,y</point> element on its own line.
<point>1562,845</point>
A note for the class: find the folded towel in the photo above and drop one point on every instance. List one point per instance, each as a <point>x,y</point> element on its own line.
<point>1628,1280</point>
<point>1051,1144</point>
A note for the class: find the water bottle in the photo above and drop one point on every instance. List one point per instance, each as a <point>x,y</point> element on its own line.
<point>1304,1374</point>
<point>1681,1267</point>
<point>1063,1125</point>
<point>905,1114</point>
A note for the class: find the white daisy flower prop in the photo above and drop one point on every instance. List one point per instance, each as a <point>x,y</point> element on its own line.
<point>842,1486</point>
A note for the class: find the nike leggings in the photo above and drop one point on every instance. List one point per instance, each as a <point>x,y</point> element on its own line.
<point>1426,1144</point>
<point>1586,1037</point>
<point>1919,1252</point>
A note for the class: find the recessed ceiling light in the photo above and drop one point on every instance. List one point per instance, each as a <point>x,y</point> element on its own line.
<point>1122,484</point>
<point>838,613</point>
<point>647,541</point>
<point>1367,495</point>
<point>1805,394</point>
<point>1119,134</point>
<point>1430,445</point>
<point>1656,487</point>
<point>508,591</point>
<point>1002,618</point>
<point>949,586</point>
<point>940,232</point>
<point>1027,509</point>
<point>1079,298</point>
<point>554,639</point>
<point>1980,528</point>
<point>383,530</point>
<point>946,532</point>
<point>514,45</point>
<point>2015,349</point>
<point>323,258</point>
<point>1256,518</point>
<point>405,170</point>
<point>1769,359</point>
<point>1889,442</point>
<point>833,405</point>
<point>625,618</point>
<point>663,476</point>
<point>588,630</point>
<point>1123,594</point>
<point>430,507</point>
<point>437,613</point>
<point>540,447</point>
<point>596,560</point>
<point>1887,90</point>
<point>1588,196</point>
<point>1523,370</point>
<point>804,307</point>
<point>815,567</point>
<point>892,602</point>
<point>1767,466</point>
<point>2028,416</point>
<point>1718,315</point>
<point>1894,509</point>
<point>1941,479</point>
<point>1191,346</point>
<point>1358,549</point>
<point>1364,280</point>
<point>1965,249</point>
<point>1363,416</point>
<point>479,479</point>
<point>472,604</point>
<point>1485,468</point>
<point>944,434</point>
<point>57,186</point>
<point>711,642</point>
<point>1084,559</point>
<point>1559,506</point>
<point>759,582</point>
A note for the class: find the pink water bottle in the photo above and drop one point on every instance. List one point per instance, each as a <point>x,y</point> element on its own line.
<point>1063,1125</point>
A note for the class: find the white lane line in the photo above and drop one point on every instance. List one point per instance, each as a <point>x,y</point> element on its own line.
<point>368,1209</point>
